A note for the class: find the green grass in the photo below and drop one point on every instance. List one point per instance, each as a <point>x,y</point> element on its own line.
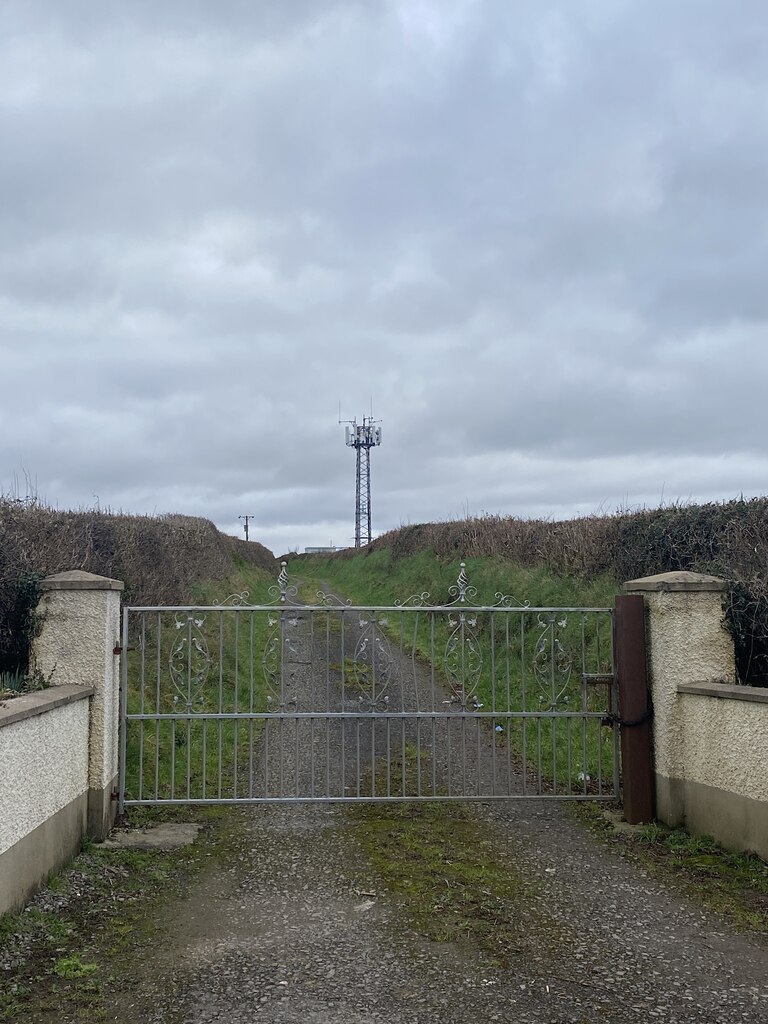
<point>73,967</point>
<point>356,676</point>
<point>518,671</point>
<point>454,882</point>
<point>379,576</point>
<point>735,884</point>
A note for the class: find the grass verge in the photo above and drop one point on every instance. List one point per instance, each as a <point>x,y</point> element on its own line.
<point>728,883</point>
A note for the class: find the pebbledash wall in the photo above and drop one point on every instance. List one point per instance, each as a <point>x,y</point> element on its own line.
<point>59,746</point>
<point>710,736</point>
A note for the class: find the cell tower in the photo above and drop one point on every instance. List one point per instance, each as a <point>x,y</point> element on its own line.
<point>362,438</point>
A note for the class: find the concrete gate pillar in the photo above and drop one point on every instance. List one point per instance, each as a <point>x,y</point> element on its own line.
<point>687,643</point>
<point>80,629</point>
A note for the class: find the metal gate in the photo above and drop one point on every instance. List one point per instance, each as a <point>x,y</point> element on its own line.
<point>328,701</point>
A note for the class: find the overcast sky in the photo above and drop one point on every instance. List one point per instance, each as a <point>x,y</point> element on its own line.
<point>533,232</point>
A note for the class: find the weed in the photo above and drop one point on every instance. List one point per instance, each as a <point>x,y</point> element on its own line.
<point>87,844</point>
<point>653,832</point>
<point>354,675</point>
<point>73,967</point>
<point>15,684</point>
<point>12,682</point>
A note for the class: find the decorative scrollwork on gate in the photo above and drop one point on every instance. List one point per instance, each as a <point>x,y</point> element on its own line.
<point>280,648</point>
<point>234,600</point>
<point>271,660</point>
<point>326,600</point>
<point>189,661</point>
<point>372,664</point>
<point>462,590</point>
<point>414,601</point>
<point>463,661</point>
<point>508,601</point>
<point>552,662</point>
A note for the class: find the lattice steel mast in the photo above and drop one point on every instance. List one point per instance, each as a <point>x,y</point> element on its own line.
<point>363,437</point>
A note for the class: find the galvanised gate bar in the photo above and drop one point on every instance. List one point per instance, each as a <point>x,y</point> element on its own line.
<point>284,701</point>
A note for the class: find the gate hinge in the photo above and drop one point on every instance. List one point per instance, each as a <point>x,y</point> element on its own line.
<point>117,649</point>
<point>631,723</point>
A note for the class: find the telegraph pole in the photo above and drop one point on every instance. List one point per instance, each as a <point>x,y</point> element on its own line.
<point>245,524</point>
<point>363,437</point>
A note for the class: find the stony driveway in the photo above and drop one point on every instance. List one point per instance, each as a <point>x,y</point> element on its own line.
<point>300,929</point>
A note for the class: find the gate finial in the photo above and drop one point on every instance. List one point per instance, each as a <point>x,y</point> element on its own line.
<point>461,590</point>
<point>283,591</point>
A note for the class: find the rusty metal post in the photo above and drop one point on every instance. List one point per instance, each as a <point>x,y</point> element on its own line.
<point>634,709</point>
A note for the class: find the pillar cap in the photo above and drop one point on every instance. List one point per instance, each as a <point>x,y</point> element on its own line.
<point>76,579</point>
<point>681,581</point>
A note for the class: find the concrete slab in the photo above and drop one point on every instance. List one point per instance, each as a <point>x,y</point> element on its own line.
<point>169,836</point>
<point>620,825</point>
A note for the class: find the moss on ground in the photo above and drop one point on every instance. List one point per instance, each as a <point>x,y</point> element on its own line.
<point>80,943</point>
<point>455,882</point>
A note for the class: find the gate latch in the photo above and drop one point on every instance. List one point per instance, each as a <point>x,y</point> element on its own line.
<point>597,678</point>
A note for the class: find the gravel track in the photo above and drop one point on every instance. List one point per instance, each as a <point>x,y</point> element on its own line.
<point>300,929</point>
<point>320,758</point>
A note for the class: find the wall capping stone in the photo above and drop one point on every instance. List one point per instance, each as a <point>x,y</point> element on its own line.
<point>726,691</point>
<point>16,709</point>
<point>76,579</point>
<point>681,581</point>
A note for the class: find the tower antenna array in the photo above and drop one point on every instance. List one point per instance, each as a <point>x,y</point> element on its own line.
<point>362,437</point>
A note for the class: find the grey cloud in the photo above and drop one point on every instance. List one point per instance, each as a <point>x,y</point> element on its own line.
<point>534,234</point>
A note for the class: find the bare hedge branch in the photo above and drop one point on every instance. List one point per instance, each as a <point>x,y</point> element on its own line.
<point>159,558</point>
<point>728,539</point>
